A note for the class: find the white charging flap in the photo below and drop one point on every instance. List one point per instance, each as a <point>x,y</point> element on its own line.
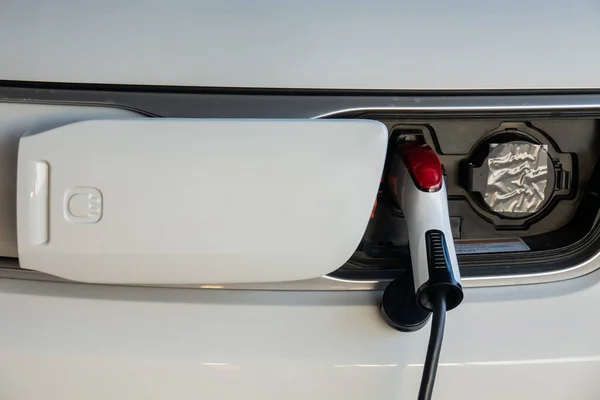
<point>179,201</point>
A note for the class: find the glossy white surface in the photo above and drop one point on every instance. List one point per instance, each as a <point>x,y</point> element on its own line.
<point>350,44</point>
<point>174,201</point>
<point>73,341</point>
<point>15,119</point>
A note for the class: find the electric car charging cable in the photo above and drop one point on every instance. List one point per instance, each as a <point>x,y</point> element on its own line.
<point>416,181</point>
<point>434,348</point>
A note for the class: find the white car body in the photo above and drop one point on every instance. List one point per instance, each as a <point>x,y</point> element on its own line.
<point>64,340</point>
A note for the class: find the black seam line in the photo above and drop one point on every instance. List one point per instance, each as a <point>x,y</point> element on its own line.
<point>289,91</point>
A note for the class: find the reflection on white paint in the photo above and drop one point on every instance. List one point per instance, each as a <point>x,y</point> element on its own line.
<point>347,280</point>
<point>215,364</point>
<point>517,362</point>
<point>366,365</point>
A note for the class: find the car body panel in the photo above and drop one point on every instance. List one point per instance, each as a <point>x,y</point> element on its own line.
<point>75,341</point>
<point>309,44</point>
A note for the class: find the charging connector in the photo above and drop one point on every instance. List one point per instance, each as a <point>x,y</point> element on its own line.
<point>416,180</point>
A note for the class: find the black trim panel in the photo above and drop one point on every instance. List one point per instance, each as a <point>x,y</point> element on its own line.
<point>181,102</point>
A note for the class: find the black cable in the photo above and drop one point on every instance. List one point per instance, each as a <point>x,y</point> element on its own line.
<point>434,347</point>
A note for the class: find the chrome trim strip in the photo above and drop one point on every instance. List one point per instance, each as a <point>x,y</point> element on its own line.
<point>329,283</point>
<point>333,283</point>
<point>324,283</point>
<point>509,106</point>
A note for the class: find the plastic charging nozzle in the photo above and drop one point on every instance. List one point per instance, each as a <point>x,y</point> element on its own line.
<point>417,182</point>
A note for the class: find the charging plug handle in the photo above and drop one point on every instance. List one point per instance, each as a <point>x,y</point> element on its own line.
<point>442,280</point>
<point>416,180</point>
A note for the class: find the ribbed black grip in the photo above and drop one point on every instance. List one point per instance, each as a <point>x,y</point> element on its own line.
<point>441,274</point>
<point>437,255</point>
